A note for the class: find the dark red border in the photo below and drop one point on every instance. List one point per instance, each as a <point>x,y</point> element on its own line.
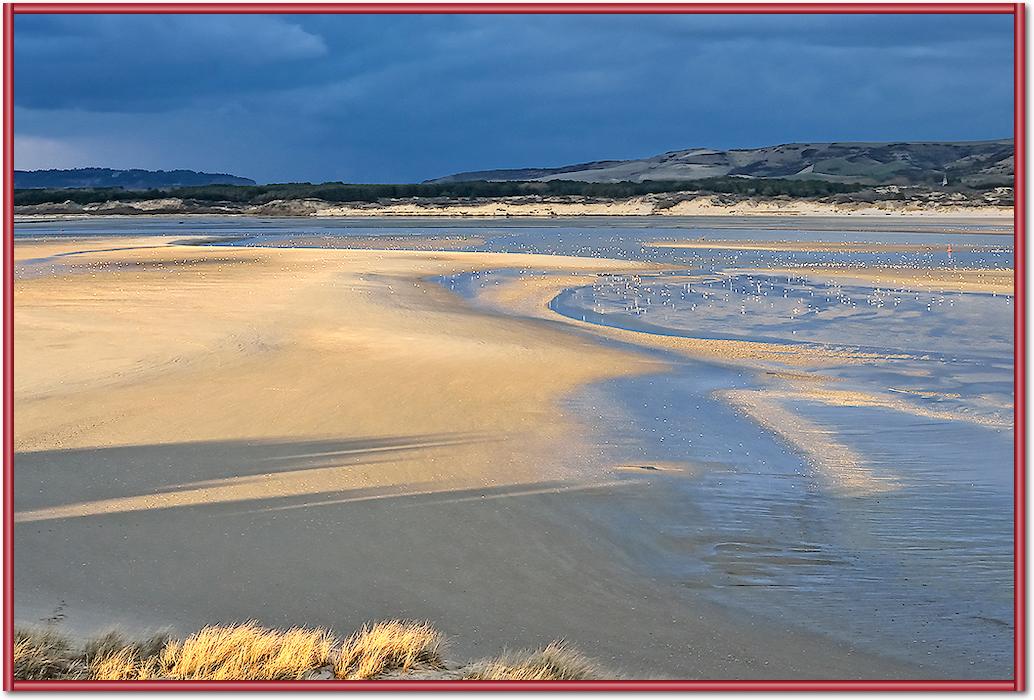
<point>1020,352</point>
<point>8,363</point>
<point>1018,683</point>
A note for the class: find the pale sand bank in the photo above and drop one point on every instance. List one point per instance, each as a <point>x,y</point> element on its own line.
<point>814,246</point>
<point>843,468</point>
<point>988,281</point>
<point>664,205</point>
<point>321,437</point>
<point>381,242</point>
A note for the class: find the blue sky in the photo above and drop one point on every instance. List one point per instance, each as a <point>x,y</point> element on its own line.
<point>369,98</point>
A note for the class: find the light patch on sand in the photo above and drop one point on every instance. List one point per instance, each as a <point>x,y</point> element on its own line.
<point>813,246</point>
<point>843,469</point>
<point>326,483</point>
<point>990,281</point>
<point>303,482</point>
<point>381,242</point>
<point>841,397</point>
<point>26,249</point>
<point>925,394</point>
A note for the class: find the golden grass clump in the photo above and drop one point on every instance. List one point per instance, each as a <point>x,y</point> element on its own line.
<point>43,655</point>
<point>244,652</point>
<point>249,652</point>
<point>389,646</point>
<point>555,662</point>
<point>116,665</point>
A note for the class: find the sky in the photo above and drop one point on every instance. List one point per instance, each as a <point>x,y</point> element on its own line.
<point>379,98</point>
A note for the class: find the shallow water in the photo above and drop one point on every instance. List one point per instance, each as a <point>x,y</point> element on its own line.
<point>920,570</point>
<point>923,571</point>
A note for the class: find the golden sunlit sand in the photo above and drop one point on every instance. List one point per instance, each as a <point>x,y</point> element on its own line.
<point>262,344</point>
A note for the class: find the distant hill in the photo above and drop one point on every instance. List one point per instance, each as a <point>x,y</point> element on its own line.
<point>975,163</point>
<point>122,179</point>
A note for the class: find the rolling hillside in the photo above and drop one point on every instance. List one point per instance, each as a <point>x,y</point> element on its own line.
<point>121,179</point>
<point>975,163</point>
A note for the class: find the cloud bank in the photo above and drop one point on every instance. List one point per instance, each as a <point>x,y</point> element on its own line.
<point>403,98</point>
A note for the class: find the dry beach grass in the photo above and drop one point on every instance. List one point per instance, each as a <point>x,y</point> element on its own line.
<point>556,662</point>
<point>249,652</point>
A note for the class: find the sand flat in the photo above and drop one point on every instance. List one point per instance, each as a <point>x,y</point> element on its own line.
<point>323,437</point>
<point>213,315</point>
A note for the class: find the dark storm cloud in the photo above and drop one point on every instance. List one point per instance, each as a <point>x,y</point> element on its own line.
<point>389,98</point>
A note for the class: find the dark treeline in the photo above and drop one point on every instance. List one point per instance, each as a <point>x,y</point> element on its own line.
<point>342,192</point>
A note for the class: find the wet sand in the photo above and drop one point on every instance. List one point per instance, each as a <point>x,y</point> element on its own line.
<point>843,469</point>
<point>324,437</point>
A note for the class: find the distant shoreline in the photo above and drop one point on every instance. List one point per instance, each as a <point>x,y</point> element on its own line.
<point>794,214</point>
<point>549,207</point>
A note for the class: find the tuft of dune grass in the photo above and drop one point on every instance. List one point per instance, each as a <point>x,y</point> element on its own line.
<point>555,662</point>
<point>245,652</point>
<point>389,646</point>
<point>112,657</point>
<point>43,655</point>
<point>116,665</point>
<point>113,642</point>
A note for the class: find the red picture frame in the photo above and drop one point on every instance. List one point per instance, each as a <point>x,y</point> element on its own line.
<point>1017,10</point>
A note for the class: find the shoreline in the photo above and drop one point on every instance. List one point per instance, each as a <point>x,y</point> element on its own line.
<point>845,223</point>
<point>771,403</point>
<point>639,207</point>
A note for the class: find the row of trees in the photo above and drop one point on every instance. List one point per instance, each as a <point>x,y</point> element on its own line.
<point>343,192</point>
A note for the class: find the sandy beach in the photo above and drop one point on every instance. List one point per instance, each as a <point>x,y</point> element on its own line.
<point>183,408</point>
